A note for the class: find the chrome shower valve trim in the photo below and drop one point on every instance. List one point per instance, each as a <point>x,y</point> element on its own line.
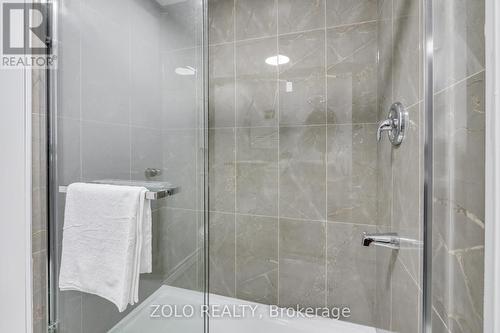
<point>395,124</point>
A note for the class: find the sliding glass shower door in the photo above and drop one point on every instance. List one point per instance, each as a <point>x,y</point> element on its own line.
<point>310,207</point>
<point>127,107</point>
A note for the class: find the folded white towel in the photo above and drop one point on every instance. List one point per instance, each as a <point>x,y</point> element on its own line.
<point>106,241</point>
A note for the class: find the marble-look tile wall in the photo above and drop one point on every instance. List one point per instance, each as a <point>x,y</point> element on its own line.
<point>400,169</point>
<point>459,144</point>
<point>458,223</point>
<point>39,202</point>
<point>293,155</point>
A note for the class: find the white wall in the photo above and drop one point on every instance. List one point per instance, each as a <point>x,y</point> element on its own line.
<point>15,201</point>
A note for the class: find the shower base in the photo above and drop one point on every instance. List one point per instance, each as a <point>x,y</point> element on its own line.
<point>172,309</point>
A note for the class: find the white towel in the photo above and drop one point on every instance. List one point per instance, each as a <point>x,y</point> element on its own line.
<point>106,241</point>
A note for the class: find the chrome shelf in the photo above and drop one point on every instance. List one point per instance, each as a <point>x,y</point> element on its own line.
<point>156,190</point>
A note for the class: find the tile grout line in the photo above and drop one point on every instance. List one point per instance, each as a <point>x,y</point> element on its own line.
<point>290,33</point>
<point>298,125</point>
<point>235,171</point>
<point>130,74</point>
<point>80,88</point>
<point>81,133</point>
<point>278,106</point>
<point>454,84</point>
<point>326,150</point>
<point>200,132</point>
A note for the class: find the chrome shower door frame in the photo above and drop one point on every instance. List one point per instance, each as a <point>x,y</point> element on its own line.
<point>51,96</point>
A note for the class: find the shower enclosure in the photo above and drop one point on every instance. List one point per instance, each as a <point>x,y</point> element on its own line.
<point>323,154</point>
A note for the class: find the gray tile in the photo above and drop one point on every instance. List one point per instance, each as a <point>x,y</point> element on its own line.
<point>384,66</point>
<point>302,80</point>
<point>352,163</point>
<point>178,238</point>
<point>303,172</point>
<point>384,9</point>
<point>98,314</point>
<point>257,171</point>
<point>39,241</point>
<point>145,96</point>
<point>39,266</point>
<point>464,107</point>
<point>459,146</point>
<point>220,21</point>
<point>39,209</point>
<point>39,151</point>
<point>459,206</point>
<point>385,262</point>
<point>406,298</point>
<point>105,151</point>
<point>440,278</point>
<point>179,92</point>
<point>302,264</point>
<point>179,166</point>
<point>350,272</point>
<point>458,287</point>
<point>39,326</point>
<point>339,12</point>
<point>255,18</point>
<point>156,256</point>
<point>39,311</point>
<point>408,191</point>
<point>458,41</point>
<point>300,15</point>
<point>145,27</point>
<point>407,72</point>
<point>68,145</point>
<point>188,279</point>
<point>110,10</point>
<point>148,285</point>
<point>146,151</point>
<point>384,182</point>
<point>352,74</point>
<point>256,83</point>
<point>105,97</point>
<point>403,8</point>
<point>257,259</point>
<point>256,102</point>
<point>471,276</point>
<point>222,260</point>
<point>438,325</point>
<point>70,312</point>
<point>221,86</point>
<point>222,170</point>
<point>179,28</point>
<point>38,92</point>
<point>69,60</point>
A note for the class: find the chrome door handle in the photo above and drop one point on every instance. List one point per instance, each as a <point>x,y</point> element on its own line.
<point>389,240</point>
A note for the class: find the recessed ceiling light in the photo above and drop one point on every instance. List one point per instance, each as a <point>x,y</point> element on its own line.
<point>277,60</point>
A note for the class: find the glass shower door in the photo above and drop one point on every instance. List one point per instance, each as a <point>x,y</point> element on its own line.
<point>126,107</point>
<point>297,93</point>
